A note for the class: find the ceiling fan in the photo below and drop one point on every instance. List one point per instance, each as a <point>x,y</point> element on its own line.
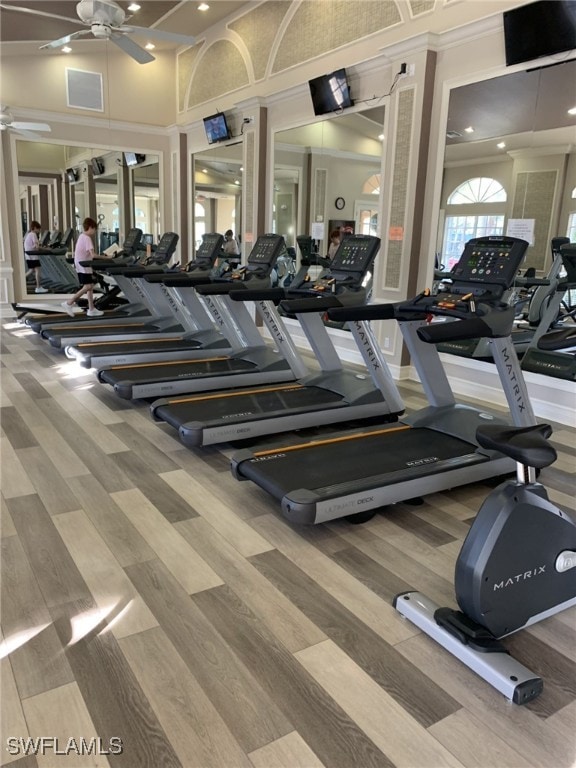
<point>30,130</point>
<point>105,19</point>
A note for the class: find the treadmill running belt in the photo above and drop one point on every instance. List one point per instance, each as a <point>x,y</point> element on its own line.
<point>193,369</point>
<point>383,455</point>
<point>253,403</point>
<point>137,346</point>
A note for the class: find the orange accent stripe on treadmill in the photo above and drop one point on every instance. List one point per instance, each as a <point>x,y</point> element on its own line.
<point>170,362</point>
<point>328,441</point>
<point>105,325</point>
<point>284,388</point>
<point>128,341</point>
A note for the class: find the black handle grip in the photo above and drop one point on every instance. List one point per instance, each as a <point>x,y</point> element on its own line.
<point>364,312</point>
<point>181,280</point>
<point>220,289</point>
<point>455,330</point>
<point>300,306</point>
<point>275,295</point>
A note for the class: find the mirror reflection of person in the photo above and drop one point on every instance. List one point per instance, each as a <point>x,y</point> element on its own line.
<point>334,244</point>
<point>230,246</point>
<point>33,262</point>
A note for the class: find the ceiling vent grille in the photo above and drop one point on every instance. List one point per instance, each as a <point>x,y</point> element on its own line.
<point>84,90</point>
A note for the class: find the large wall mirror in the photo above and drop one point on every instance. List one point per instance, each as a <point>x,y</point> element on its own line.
<point>218,191</point>
<point>327,174</point>
<point>510,162</point>
<point>61,185</point>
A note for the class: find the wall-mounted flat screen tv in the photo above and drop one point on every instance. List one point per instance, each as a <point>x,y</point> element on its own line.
<point>71,174</point>
<point>330,93</point>
<point>133,158</point>
<point>539,29</point>
<point>97,166</point>
<point>216,128</point>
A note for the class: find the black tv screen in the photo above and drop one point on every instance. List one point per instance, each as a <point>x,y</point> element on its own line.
<point>216,128</point>
<point>131,158</point>
<point>539,29</point>
<point>71,174</point>
<point>330,93</point>
<point>97,166</point>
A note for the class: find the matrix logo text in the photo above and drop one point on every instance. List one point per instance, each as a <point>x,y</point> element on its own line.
<point>43,745</point>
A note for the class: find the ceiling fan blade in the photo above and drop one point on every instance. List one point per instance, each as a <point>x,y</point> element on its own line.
<point>158,34</point>
<point>23,126</point>
<point>28,134</point>
<point>6,7</point>
<point>66,39</point>
<point>132,49</point>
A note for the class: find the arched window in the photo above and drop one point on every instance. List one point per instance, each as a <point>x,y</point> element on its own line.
<point>478,190</point>
<point>372,185</point>
<point>461,225</point>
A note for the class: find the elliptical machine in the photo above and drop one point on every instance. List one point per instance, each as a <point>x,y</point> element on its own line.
<point>517,566</point>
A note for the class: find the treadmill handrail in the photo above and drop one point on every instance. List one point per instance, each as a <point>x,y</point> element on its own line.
<point>320,303</point>
<point>275,295</point>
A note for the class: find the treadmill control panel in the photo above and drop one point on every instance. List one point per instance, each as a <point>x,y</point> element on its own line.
<point>132,242</point>
<point>165,248</point>
<point>265,252</point>
<point>355,254</point>
<point>208,251</point>
<point>490,260</point>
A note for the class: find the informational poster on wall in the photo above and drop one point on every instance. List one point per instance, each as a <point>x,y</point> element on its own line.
<point>522,228</point>
<point>317,231</point>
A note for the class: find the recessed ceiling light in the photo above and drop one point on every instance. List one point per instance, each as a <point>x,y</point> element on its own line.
<point>572,111</point>
<point>381,137</point>
<point>501,145</point>
<point>469,129</point>
<point>203,7</point>
<point>133,7</point>
<point>66,49</point>
<point>149,46</point>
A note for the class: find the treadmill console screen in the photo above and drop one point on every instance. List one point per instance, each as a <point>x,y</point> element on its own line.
<point>165,247</point>
<point>265,251</point>
<point>210,248</point>
<point>490,260</point>
<point>568,253</point>
<point>355,254</point>
<point>132,242</point>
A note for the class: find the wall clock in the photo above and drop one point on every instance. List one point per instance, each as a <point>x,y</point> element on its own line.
<point>339,203</point>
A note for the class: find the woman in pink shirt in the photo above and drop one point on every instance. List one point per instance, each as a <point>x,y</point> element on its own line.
<point>83,252</point>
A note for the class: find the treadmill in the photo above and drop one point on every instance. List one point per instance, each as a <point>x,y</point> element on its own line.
<point>52,315</point>
<point>555,353</point>
<point>252,362</point>
<point>542,313</point>
<point>158,317</point>
<point>333,395</point>
<point>203,335</point>
<point>433,449</point>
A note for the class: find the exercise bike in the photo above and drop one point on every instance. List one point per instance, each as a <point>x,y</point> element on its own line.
<point>517,566</point>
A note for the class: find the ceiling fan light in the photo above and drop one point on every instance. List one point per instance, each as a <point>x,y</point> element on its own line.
<point>133,7</point>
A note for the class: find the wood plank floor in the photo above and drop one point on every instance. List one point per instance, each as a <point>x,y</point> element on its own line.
<point>149,597</point>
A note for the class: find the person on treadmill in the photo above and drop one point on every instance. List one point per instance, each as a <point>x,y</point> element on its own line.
<point>31,244</point>
<point>85,252</point>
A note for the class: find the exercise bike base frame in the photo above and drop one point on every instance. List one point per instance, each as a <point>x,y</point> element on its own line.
<point>515,681</point>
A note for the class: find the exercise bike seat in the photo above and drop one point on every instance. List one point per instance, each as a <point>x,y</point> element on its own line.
<point>528,445</point>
